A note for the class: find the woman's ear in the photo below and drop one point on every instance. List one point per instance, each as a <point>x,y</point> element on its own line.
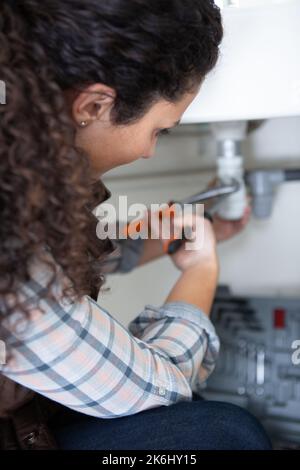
<point>94,103</point>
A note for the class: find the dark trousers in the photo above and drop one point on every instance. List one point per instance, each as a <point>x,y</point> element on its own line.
<point>189,425</point>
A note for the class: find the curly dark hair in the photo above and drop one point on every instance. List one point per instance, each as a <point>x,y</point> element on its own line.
<point>146,51</point>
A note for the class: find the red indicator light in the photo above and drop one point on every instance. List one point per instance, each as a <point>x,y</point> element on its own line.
<point>279,318</point>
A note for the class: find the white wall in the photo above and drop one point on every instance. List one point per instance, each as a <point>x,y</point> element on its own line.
<point>264,259</point>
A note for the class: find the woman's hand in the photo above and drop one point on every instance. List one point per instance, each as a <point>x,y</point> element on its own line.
<point>203,244</point>
<point>225,229</point>
<point>200,270</point>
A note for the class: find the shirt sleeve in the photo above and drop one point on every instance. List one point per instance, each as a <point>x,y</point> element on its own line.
<point>79,355</point>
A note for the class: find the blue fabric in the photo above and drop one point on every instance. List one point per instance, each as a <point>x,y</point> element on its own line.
<point>194,425</point>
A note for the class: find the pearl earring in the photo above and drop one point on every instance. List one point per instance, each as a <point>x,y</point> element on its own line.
<point>83,123</point>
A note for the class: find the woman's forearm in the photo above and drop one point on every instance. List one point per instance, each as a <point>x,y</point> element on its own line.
<point>196,286</point>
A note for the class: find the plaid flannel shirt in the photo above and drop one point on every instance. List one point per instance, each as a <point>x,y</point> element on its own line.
<point>79,355</point>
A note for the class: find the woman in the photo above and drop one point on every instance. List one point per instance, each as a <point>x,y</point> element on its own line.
<point>91,85</point>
